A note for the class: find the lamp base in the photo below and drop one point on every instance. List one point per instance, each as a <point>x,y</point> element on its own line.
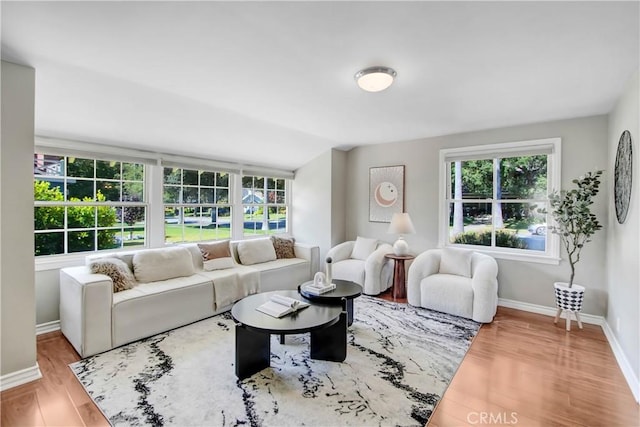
<point>401,247</point>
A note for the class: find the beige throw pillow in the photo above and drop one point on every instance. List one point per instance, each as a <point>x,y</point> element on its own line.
<point>283,247</point>
<point>456,261</point>
<point>216,256</point>
<point>117,270</point>
<point>215,250</point>
<point>256,251</point>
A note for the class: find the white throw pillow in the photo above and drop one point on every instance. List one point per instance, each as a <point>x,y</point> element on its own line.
<point>456,261</point>
<point>363,248</point>
<point>162,264</point>
<point>218,264</point>
<point>256,251</point>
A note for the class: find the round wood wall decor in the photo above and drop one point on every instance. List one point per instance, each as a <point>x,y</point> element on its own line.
<point>623,175</point>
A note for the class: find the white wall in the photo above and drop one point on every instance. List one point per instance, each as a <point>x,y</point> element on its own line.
<point>318,201</point>
<point>339,203</point>
<point>16,221</point>
<point>623,247</point>
<point>584,146</point>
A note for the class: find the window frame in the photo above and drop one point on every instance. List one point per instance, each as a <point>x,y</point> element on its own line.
<point>551,255</point>
<point>67,204</point>
<point>265,205</point>
<point>154,162</point>
<point>199,186</point>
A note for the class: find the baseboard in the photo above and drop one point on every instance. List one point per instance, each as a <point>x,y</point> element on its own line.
<point>623,362</point>
<point>621,359</point>
<point>45,328</point>
<point>17,378</point>
<point>547,311</point>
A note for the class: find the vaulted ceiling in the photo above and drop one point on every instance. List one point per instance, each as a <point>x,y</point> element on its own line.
<point>271,83</point>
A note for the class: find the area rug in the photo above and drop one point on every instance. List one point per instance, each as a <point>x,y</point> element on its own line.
<point>400,359</point>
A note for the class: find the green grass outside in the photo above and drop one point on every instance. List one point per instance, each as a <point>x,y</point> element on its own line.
<point>173,233</point>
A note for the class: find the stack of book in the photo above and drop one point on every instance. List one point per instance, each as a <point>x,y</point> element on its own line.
<point>316,289</point>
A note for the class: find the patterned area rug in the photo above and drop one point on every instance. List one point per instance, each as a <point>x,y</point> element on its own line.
<point>400,360</point>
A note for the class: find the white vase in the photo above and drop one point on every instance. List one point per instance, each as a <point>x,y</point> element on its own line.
<point>569,298</point>
<point>401,247</point>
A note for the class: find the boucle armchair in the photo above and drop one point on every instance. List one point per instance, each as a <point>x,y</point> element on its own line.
<point>362,261</point>
<point>455,281</point>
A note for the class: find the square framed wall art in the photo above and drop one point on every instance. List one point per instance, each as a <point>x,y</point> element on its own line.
<point>386,192</point>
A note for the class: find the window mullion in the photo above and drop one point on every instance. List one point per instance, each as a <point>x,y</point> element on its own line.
<point>494,202</point>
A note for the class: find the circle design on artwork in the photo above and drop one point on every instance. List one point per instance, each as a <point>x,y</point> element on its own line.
<point>623,174</point>
<point>386,194</point>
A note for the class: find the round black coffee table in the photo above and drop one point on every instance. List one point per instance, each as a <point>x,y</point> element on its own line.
<point>344,290</point>
<point>326,324</point>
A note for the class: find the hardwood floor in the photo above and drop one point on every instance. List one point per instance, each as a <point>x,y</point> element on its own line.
<point>521,370</point>
<point>57,399</point>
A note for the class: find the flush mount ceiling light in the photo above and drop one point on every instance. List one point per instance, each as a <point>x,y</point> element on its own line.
<point>375,79</point>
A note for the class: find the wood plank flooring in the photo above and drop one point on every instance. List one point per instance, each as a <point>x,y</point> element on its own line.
<point>524,370</point>
<point>57,399</point>
<point>521,370</point>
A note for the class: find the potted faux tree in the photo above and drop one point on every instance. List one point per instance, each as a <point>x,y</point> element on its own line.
<point>574,224</point>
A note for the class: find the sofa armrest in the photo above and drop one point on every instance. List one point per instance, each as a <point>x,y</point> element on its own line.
<point>341,251</point>
<point>309,252</point>
<point>485,288</point>
<point>373,269</point>
<point>425,264</point>
<point>86,300</point>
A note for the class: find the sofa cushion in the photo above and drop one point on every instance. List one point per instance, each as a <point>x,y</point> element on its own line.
<point>162,264</point>
<point>256,251</point>
<point>349,269</point>
<point>218,264</point>
<point>283,247</point>
<point>117,270</point>
<point>456,261</point>
<point>363,248</point>
<point>283,274</point>
<point>448,293</point>
<point>151,308</point>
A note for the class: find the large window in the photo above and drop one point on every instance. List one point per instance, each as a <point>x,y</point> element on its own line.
<point>196,205</point>
<point>264,203</point>
<point>493,195</point>
<point>84,204</point>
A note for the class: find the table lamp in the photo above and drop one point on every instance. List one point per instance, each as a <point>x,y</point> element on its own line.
<point>401,224</point>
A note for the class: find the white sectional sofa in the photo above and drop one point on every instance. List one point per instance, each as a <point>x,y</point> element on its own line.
<point>94,318</point>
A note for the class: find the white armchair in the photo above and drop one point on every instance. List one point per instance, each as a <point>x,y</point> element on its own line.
<point>455,281</point>
<point>362,261</point>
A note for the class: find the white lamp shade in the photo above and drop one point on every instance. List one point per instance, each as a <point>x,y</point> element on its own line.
<point>401,224</point>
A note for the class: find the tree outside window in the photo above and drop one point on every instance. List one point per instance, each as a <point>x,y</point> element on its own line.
<point>79,204</point>
<point>492,202</point>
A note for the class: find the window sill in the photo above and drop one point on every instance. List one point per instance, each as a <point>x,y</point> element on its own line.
<point>53,262</point>
<point>538,259</point>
